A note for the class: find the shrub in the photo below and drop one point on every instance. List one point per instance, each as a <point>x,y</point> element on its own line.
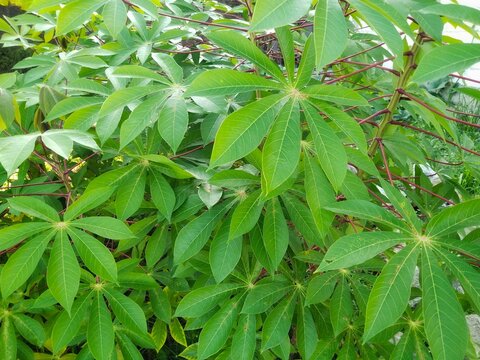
<point>180,179</point>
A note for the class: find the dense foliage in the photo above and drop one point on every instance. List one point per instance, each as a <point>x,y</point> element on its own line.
<point>181,179</point>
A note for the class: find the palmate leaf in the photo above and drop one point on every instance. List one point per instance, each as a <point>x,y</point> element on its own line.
<point>12,235</point>
<point>75,13</point>
<point>100,333</point>
<point>445,325</point>
<point>126,310</point>
<point>391,292</point>
<point>63,271</point>
<point>454,218</point>
<point>275,232</point>
<point>22,263</point>
<point>221,82</point>
<point>355,249</point>
<point>34,207</point>
<point>224,252</point>
<point>278,322</point>
<point>246,215</point>
<point>281,151</point>
<point>173,121</point>
<point>242,131</point>
<point>243,340</point>
<point>330,32</point>
<point>104,226</point>
<point>341,309</point>
<point>269,14</point>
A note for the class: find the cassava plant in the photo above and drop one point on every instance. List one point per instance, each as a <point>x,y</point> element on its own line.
<point>237,180</point>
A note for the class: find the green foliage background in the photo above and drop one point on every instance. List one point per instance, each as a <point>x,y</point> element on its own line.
<point>268,179</point>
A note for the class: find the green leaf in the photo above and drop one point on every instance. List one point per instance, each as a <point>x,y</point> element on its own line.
<point>161,305</point>
<point>275,232</point>
<point>224,252</point>
<point>107,227</point>
<point>222,82</point>
<point>173,121</point>
<point>336,94</point>
<point>22,263</point>
<point>13,234</point>
<point>100,335</point>
<point>233,179</point>
<point>34,207</point>
<point>8,343</point>
<point>199,301</point>
<point>126,310</point>
<point>243,340</point>
<point>130,194</point>
<point>454,218</point>
<point>115,17</point>
<point>341,307</point>
<point>307,64</point>
<point>391,292</point>
<point>454,11</point>
<point>156,245</point>
<point>287,47</point>
<point>281,151</point>
<point>242,131</point>
<point>129,350</point>
<point>234,42</point>
<point>330,151</point>
<point>269,14</point>
<point>94,254</point>
<point>355,249</point>
<point>347,125</point>
<point>278,322</point>
<point>468,276</point>
<point>321,287</point>
<point>162,193</point>
<point>143,116</point>
<point>302,219</point>
<point>445,325</point>
<point>138,72</point>
<point>264,295</point>
<point>383,26</point>
<point>246,215</point>
<point>443,60</point>
<point>330,32</point>
<point>177,333</point>
<point>307,336</point>
<point>169,66</point>
<point>216,331</point>
<point>193,236</point>
<point>30,329</point>
<point>14,150</point>
<point>319,192</point>
<point>63,271</point>
<point>70,105</point>
<point>75,13</point>
<point>87,201</point>
<point>367,211</point>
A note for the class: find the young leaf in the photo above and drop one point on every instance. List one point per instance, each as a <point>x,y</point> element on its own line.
<point>242,131</point>
<point>63,271</point>
<point>22,263</point>
<point>222,82</point>
<point>355,249</point>
<point>444,60</point>
<point>275,231</point>
<point>281,151</point>
<point>269,14</point>
<point>217,329</point>
<point>330,151</point>
<point>107,227</point>
<point>100,335</point>
<point>94,254</point>
<point>330,32</point>
<point>445,325</point>
<point>391,292</point>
